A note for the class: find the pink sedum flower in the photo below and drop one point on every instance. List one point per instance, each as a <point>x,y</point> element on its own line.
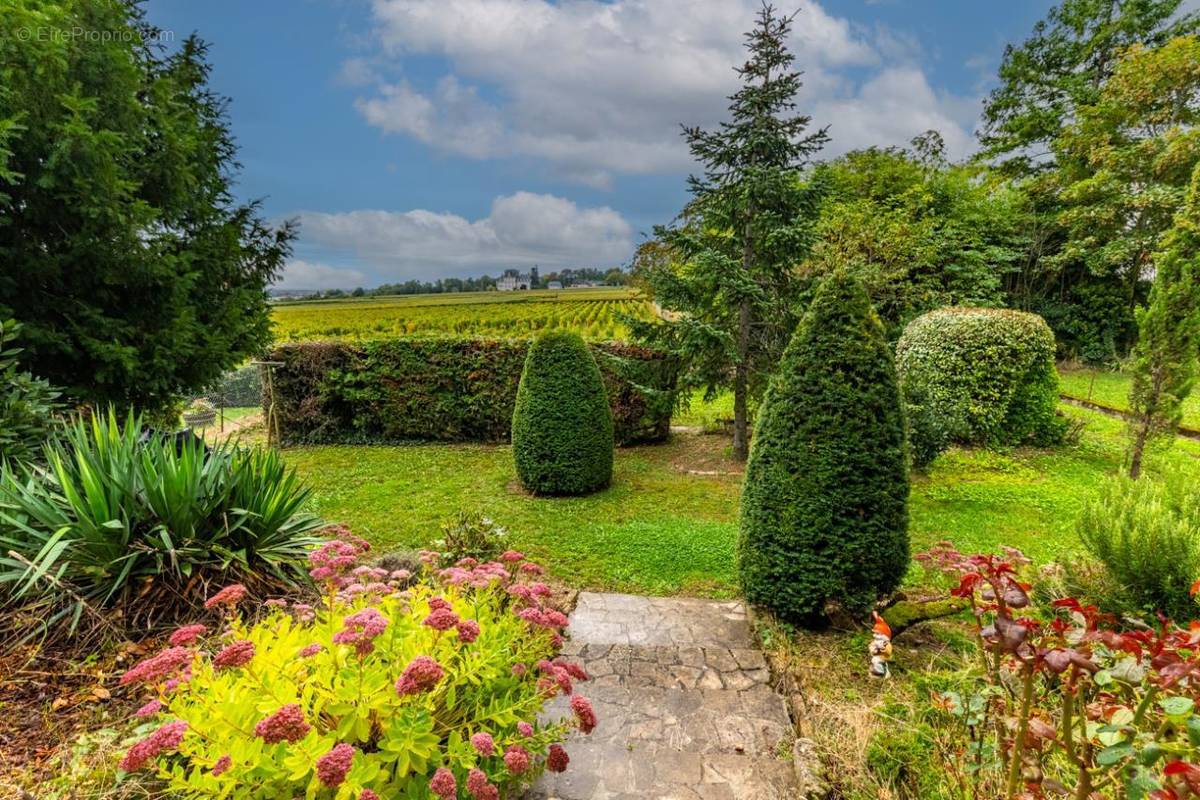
<point>367,794</point>
<point>441,619</point>
<point>483,744</point>
<point>187,634</point>
<point>443,784</point>
<point>557,759</point>
<point>159,666</point>
<point>525,729</point>
<point>222,765</point>
<point>333,766</point>
<point>311,650</point>
<point>478,786</point>
<point>512,556</point>
<point>583,713</point>
<point>229,596</point>
<point>519,670</point>
<point>164,739</point>
<point>360,628</point>
<point>148,710</point>
<point>237,654</point>
<point>285,725</point>
<point>468,631</point>
<point>421,675</point>
<point>516,758</point>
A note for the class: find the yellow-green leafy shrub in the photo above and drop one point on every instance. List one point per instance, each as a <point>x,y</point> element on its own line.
<point>377,692</point>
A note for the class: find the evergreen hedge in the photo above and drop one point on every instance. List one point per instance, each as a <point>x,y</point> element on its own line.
<point>440,388</point>
<point>978,376</point>
<point>825,504</point>
<point>562,428</point>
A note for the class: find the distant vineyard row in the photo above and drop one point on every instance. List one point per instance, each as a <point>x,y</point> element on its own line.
<point>595,314</point>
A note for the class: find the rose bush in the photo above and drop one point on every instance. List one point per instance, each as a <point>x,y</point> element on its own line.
<point>1067,703</point>
<point>430,691</point>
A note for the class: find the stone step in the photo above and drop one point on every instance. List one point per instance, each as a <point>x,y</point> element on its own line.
<point>655,621</point>
<point>671,666</point>
<point>604,773</point>
<point>684,701</point>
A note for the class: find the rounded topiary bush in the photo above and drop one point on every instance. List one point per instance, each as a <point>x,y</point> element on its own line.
<point>825,504</point>
<point>562,431</point>
<point>978,376</point>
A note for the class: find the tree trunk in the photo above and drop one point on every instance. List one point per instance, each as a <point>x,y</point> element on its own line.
<point>741,386</point>
<point>1145,422</point>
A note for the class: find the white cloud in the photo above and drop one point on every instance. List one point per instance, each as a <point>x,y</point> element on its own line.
<point>893,107</point>
<point>598,87</point>
<point>300,274</point>
<point>522,230</point>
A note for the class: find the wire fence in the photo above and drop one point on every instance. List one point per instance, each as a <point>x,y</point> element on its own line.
<point>233,402</point>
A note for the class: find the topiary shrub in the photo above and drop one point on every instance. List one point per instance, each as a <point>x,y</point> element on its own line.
<point>562,429</point>
<point>978,376</point>
<point>825,503</point>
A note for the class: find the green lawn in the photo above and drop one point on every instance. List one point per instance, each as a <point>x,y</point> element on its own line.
<point>1112,389</point>
<point>669,522</point>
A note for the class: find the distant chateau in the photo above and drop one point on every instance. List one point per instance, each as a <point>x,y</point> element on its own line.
<point>514,280</point>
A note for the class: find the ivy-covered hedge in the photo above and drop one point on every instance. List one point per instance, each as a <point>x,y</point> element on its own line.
<point>978,376</point>
<point>446,389</point>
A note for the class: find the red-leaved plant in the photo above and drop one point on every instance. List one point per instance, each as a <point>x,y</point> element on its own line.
<point>1069,703</point>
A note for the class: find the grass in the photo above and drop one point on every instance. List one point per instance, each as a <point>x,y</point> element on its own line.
<point>1111,389</point>
<point>668,524</point>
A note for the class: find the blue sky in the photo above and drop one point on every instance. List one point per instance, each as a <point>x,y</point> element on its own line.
<point>431,138</point>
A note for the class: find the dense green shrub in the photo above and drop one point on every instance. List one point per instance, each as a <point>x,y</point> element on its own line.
<point>562,429</point>
<point>119,519</point>
<point>825,503</point>
<point>979,376</point>
<point>1146,534</point>
<point>446,389</point>
<point>28,405</point>
<point>438,691</point>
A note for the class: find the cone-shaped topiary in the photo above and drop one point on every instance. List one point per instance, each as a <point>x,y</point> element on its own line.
<point>562,431</point>
<point>825,503</point>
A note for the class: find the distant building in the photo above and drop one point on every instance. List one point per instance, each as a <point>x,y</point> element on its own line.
<point>514,280</point>
<point>554,285</point>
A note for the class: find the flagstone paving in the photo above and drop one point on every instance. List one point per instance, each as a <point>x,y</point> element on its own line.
<point>685,705</point>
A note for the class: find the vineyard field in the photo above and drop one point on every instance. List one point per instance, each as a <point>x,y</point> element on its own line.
<point>593,313</point>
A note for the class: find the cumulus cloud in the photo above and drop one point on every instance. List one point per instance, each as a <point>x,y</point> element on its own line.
<point>599,87</point>
<point>301,274</point>
<point>522,230</point>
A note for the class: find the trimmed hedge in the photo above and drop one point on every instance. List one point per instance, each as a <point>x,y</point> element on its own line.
<point>562,428</point>
<point>978,376</point>
<point>825,501</point>
<point>446,389</point>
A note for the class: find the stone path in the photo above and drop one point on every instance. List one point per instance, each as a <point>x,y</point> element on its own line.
<point>684,701</point>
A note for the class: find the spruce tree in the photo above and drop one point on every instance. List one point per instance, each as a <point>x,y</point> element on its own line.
<point>729,273</point>
<point>825,503</point>
<point>1164,359</point>
<point>562,430</point>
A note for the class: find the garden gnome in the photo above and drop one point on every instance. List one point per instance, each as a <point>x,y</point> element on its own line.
<point>880,648</point>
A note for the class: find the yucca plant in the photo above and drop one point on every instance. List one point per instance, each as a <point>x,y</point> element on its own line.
<point>114,517</point>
